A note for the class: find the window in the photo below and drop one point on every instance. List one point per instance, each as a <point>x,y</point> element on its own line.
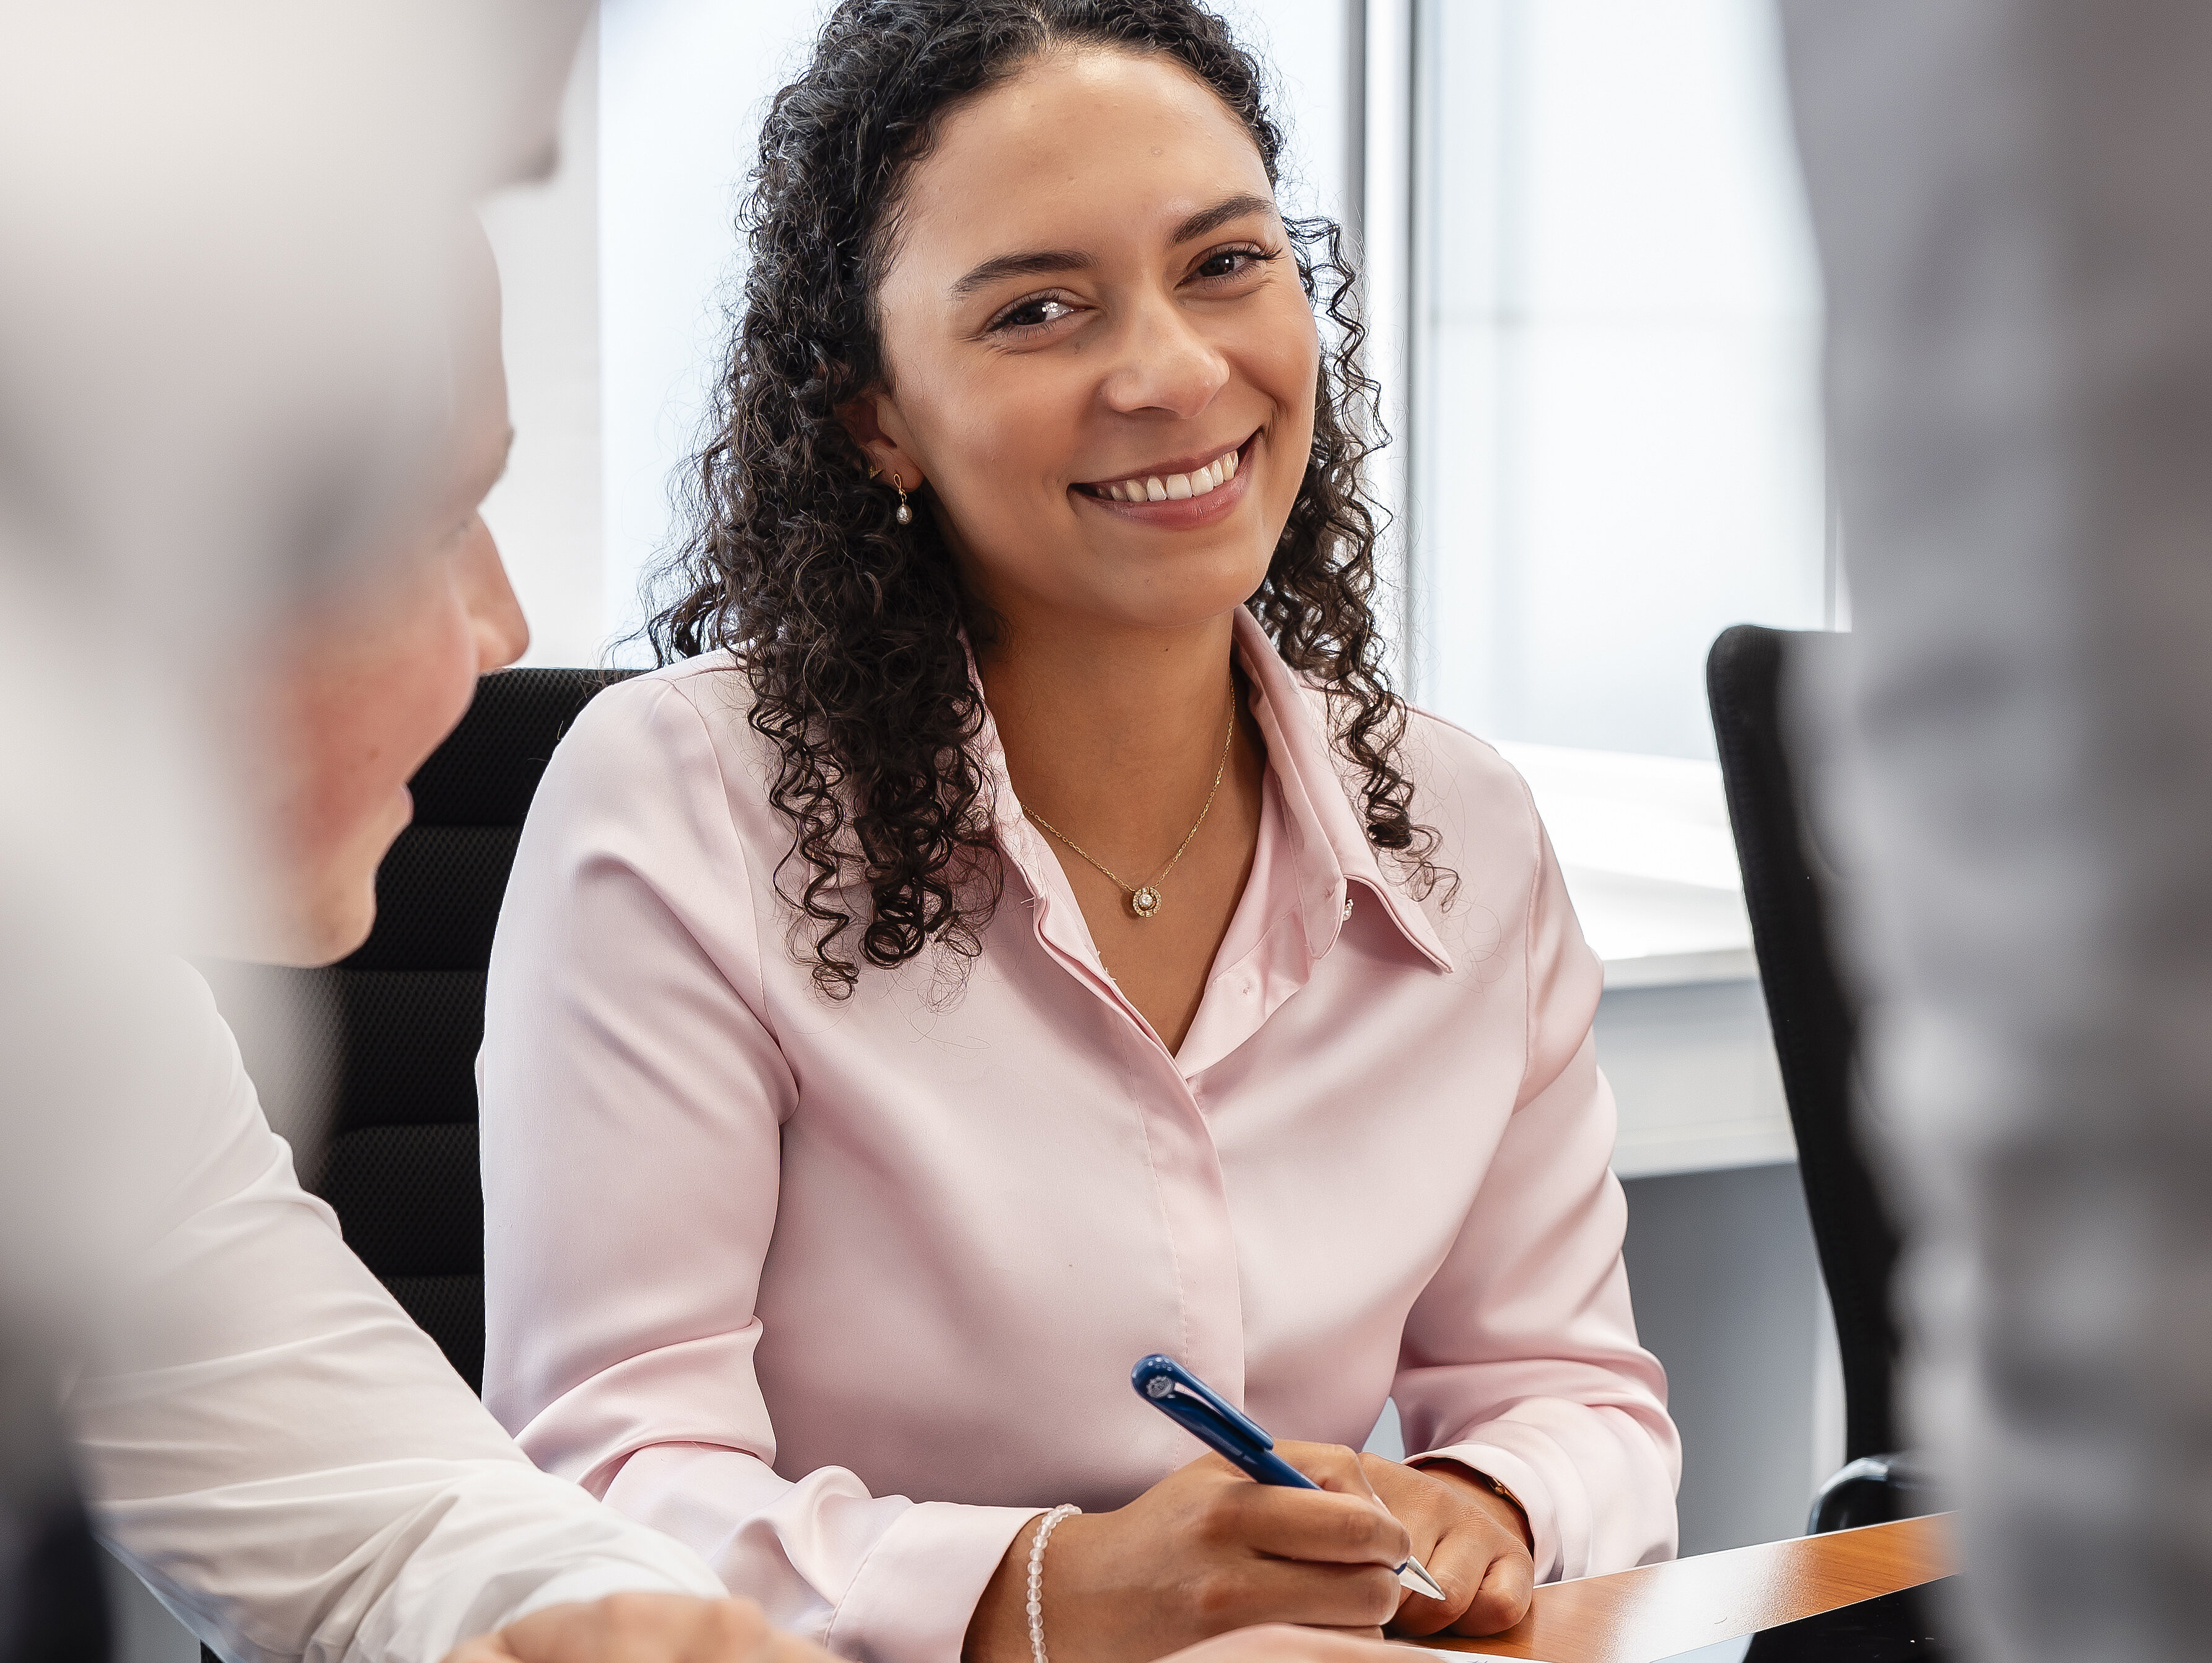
<point>1614,429</point>
<point>1613,425</point>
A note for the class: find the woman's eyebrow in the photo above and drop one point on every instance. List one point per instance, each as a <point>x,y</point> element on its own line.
<point>1036,263</point>
<point>1212,219</point>
<point>1041,262</point>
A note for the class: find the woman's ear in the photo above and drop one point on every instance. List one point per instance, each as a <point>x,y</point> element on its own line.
<point>864,418</point>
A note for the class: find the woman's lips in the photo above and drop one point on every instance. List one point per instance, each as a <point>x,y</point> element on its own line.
<point>1185,512</point>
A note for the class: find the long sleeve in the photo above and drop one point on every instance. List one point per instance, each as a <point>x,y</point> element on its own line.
<point>1520,1357</point>
<point>268,1439</point>
<point>634,1101</point>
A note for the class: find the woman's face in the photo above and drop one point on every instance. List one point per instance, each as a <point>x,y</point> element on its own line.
<point>1100,356</point>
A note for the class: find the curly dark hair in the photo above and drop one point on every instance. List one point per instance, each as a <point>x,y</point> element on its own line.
<point>847,625</point>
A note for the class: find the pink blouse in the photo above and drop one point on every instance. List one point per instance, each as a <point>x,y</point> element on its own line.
<point>840,1295</point>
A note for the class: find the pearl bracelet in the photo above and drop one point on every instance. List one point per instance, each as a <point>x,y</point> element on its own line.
<point>1066,1510</point>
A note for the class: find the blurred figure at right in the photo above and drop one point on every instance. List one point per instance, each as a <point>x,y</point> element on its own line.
<point>2016,235</point>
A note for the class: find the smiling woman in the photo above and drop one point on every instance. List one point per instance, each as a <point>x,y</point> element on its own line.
<point>1204,999</point>
<point>850,632</point>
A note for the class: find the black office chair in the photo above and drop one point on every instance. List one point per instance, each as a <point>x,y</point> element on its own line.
<point>1787,882</point>
<point>385,1041</point>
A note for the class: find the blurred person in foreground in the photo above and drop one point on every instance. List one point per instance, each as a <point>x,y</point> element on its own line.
<point>231,438</point>
<point>2016,235</point>
<point>264,1435</point>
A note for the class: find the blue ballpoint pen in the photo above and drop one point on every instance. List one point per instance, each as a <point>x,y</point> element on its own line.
<point>1222,1427</point>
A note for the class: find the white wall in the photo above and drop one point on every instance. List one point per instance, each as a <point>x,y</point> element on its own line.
<point>546,512</point>
<point>1312,48</point>
<point>1728,1297</point>
<point>683,86</point>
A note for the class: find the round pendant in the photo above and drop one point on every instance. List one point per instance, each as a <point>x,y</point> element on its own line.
<point>1145,902</point>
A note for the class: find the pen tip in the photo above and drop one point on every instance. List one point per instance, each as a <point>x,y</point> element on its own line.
<point>1415,1576</point>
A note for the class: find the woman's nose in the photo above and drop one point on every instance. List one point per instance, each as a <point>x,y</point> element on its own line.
<point>1165,365</point>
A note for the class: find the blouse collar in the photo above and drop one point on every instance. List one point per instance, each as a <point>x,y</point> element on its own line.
<point>1330,850</point>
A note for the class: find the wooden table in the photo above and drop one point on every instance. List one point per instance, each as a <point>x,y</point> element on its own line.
<point>1636,1616</point>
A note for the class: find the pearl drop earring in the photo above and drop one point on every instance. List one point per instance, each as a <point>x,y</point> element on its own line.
<point>905,515</point>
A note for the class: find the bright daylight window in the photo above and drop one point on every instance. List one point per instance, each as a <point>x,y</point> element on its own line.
<point>1614,423</point>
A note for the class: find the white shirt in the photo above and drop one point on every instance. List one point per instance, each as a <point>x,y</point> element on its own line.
<point>269,1440</point>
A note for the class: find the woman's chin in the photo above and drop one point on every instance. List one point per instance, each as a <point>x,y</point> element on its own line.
<point>1193,589</point>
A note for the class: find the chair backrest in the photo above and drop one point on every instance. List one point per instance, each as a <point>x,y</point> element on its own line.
<point>387,1038</point>
<point>1788,886</point>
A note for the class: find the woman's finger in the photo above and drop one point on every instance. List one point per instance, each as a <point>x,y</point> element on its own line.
<point>1459,1563</point>
<point>1331,1466</point>
<point>1239,1592</point>
<point>1503,1599</point>
<point>1316,1525</point>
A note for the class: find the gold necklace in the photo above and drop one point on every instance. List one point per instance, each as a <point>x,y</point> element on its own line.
<point>1145,898</point>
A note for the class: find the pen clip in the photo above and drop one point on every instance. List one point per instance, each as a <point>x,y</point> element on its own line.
<point>1173,1387</point>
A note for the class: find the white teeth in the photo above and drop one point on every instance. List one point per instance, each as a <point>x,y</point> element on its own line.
<point>1173,487</point>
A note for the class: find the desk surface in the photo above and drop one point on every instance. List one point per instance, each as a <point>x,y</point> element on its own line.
<point>1637,1615</point>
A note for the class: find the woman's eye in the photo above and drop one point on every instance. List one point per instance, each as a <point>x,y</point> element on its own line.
<point>1230,263</point>
<point>1033,313</point>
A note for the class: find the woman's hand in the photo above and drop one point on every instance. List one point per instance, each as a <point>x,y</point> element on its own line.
<point>1203,1551</point>
<point>1474,1542</point>
<point>641,1628</point>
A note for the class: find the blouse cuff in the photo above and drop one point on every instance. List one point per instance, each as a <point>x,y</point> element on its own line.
<point>1515,1473</point>
<point>912,1598</point>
